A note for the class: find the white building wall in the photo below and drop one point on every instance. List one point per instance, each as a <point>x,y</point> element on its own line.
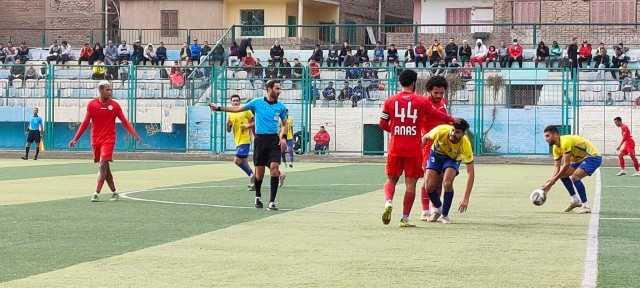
<point>434,11</point>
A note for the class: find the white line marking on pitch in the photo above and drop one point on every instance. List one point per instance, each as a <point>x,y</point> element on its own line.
<point>236,186</point>
<point>590,277</point>
<point>614,218</point>
<point>623,186</point>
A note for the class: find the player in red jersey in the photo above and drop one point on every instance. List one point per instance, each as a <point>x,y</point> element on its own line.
<point>102,112</point>
<point>403,116</point>
<point>628,148</point>
<point>437,87</point>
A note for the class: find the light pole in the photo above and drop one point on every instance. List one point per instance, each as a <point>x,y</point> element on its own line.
<point>380,20</point>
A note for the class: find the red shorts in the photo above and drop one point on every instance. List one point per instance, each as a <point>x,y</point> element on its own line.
<point>629,149</point>
<point>412,166</point>
<point>103,152</point>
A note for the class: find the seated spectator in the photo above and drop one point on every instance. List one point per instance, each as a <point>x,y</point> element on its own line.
<point>346,93</point>
<point>421,55</point>
<point>555,54</point>
<point>626,79</point>
<point>43,69</point>
<point>86,52</point>
<point>584,54</point>
<point>111,54</point>
<point>185,52</point>
<point>3,55</point>
<point>344,51</point>
<point>177,77</point>
<point>161,54</point>
<point>17,71</point>
<point>601,60</point>
<point>123,52</point>
<point>315,69</point>
<point>66,52</point>
<point>618,59</point>
<point>333,58</point>
<point>123,70</point>
<point>234,54</point>
<point>359,93</point>
<point>478,54</point>
<point>297,69</point>
<point>392,55</point>
<point>492,56</point>
<point>362,55</point>
<point>465,52</point>
<point>195,51</point>
<point>409,57</point>
<point>353,72</point>
<point>55,52</point>
<point>32,73</point>
<point>454,66</point>
<point>378,54</point>
<point>188,69</point>
<point>322,139</point>
<point>248,63</point>
<point>435,52</point>
<point>98,54</point>
<point>271,72</point>
<point>503,55</point>
<point>99,71</point>
<point>515,53</point>
<point>349,60</point>
<point>440,68</point>
<point>625,50</point>
<point>285,69</point>
<point>217,56</point>
<point>138,53</point>
<point>149,55</point>
<point>465,72</point>
<point>276,53</point>
<point>176,68</point>
<point>245,46</point>
<point>317,55</point>
<point>258,70</point>
<point>450,51</point>
<point>369,72</point>
<point>11,54</point>
<point>329,93</point>
<point>542,54</point>
<point>23,52</point>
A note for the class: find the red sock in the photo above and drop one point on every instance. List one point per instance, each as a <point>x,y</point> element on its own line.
<point>621,162</point>
<point>635,162</point>
<point>99,185</point>
<point>424,198</point>
<point>389,190</point>
<point>409,197</point>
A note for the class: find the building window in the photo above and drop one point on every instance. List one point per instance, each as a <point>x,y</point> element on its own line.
<point>458,16</point>
<point>255,20</point>
<point>169,23</point>
<point>526,11</point>
<point>613,11</point>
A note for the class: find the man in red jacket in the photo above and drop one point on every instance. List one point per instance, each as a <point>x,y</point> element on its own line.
<point>322,139</point>
<point>102,113</point>
<point>85,53</point>
<point>515,53</point>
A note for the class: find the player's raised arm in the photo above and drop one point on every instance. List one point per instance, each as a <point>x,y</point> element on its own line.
<point>215,107</point>
<point>83,127</point>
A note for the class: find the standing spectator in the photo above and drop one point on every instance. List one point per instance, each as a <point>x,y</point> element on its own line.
<point>584,54</point>
<point>123,71</point>
<point>66,52</point>
<point>333,58</point>
<point>245,46</point>
<point>378,54</point>
<point>314,67</point>
<point>362,55</point>
<point>111,54</point>
<point>86,52</point>
<point>346,93</point>
<point>322,139</point>
<point>217,56</point>
<point>555,55</point>
<point>409,57</point>
<point>572,54</point>
<point>542,54</point>
<point>421,55</point>
<point>515,53</point>
<point>329,93</point>
<point>258,70</point>
<point>99,70</point>
<point>123,52</point>
<point>149,55</point>
<point>11,54</point>
<point>138,53</point>
<point>32,73</point>
<point>17,71</point>
<point>55,52</point>
<point>503,55</point>
<point>195,51</point>
<point>478,54</point>
<point>98,54</point>
<point>343,52</point>
<point>435,52</point>
<point>271,72</point>
<point>392,55</point>
<point>285,69</point>
<point>277,53</point>
<point>3,54</point>
<point>492,56</point>
<point>23,52</point>
<point>465,52</point>
<point>161,54</point>
<point>451,51</point>
<point>185,52</point>
<point>317,55</point>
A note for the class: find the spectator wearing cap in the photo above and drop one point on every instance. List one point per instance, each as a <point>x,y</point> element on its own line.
<point>161,54</point>
<point>515,53</point>
<point>584,54</point>
<point>86,52</point>
<point>276,53</point>
<point>322,139</point>
<point>245,46</point>
<point>196,51</point>
<point>123,52</point>
<point>23,52</point>
<point>317,55</point>
<point>421,54</point>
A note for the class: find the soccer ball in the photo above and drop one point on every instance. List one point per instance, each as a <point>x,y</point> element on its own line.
<point>537,197</point>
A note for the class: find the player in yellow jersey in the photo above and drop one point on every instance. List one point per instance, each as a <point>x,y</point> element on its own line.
<point>290,145</point>
<point>575,158</point>
<point>241,124</point>
<point>450,147</point>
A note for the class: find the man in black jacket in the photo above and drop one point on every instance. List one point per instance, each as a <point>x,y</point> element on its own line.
<point>244,45</point>
<point>277,53</point>
<point>332,57</point>
<point>318,55</point>
<point>572,53</point>
<point>450,51</point>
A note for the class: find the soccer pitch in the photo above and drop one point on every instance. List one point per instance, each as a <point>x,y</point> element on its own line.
<point>192,224</point>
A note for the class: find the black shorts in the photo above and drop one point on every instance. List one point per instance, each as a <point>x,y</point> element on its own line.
<point>34,136</point>
<point>266,150</point>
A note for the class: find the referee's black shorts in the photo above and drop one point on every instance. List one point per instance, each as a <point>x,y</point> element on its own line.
<point>34,136</point>
<point>266,150</point>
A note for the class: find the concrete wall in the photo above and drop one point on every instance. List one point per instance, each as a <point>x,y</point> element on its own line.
<point>434,11</point>
<point>192,14</point>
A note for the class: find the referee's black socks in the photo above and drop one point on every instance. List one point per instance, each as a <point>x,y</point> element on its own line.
<point>275,181</point>
<point>258,183</point>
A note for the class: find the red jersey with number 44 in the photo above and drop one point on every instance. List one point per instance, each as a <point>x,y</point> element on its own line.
<point>102,116</point>
<point>404,116</point>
